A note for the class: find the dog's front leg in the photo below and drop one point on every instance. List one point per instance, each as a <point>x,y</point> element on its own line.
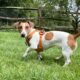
<point>27,51</point>
<point>39,56</point>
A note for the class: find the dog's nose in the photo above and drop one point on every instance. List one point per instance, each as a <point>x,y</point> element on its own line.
<point>22,35</point>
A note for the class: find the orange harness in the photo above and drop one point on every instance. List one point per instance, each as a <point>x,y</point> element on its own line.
<point>40,47</point>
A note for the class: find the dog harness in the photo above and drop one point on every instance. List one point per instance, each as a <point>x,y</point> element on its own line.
<point>40,47</point>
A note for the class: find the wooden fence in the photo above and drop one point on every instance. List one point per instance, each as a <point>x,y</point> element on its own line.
<point>40,17</point>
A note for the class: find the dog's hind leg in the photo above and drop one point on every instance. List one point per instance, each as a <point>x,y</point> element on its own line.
<point>60,56</point>
<point>66,55</point>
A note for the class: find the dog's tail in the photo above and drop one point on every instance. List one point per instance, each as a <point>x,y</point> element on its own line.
<point>76,35</point>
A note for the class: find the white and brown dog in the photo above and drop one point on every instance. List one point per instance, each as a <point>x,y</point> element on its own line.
<point>40,40</point>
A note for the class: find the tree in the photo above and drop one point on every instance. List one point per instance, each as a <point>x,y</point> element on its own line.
<point>78,2</point>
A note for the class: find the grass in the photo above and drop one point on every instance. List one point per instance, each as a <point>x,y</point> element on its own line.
<point>13,67</point>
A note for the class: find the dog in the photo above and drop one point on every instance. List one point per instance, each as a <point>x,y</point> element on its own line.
<point>40,40</point>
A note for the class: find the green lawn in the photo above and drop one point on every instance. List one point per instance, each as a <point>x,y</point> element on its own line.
<point>13,67</point>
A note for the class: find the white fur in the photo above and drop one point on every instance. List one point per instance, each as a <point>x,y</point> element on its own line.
<point>34,40</point>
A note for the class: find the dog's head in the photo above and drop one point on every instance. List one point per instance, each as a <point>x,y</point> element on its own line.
<point>24,27</point>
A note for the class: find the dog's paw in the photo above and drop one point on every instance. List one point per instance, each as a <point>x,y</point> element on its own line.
<point>64,66</point>
<point>23,58</point>
<point>40,58</point>
<point>57,58</point>
<point>24,55</point>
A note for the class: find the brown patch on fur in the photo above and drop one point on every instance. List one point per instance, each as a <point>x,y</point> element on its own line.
<point>71,42</point>
<point>49,36</point>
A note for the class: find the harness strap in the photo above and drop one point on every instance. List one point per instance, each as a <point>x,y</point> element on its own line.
<point>40,47</point>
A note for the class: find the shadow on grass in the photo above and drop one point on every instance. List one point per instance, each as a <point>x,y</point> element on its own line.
<point>59,61</point>
<point>50,60</point>
<point>47,59</point>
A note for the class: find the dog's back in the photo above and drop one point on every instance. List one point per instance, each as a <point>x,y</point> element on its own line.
<point>57,38</point>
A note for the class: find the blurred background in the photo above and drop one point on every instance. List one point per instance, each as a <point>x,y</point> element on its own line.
<point>48,14</point>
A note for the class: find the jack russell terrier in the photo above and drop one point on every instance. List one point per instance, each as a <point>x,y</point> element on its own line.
<point>40,40</point>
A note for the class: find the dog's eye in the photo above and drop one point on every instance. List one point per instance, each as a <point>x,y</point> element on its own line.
<point>20,27</point>
<point>27,27</point>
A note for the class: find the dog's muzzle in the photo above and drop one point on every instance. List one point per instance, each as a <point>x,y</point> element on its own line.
<point>22,35</point>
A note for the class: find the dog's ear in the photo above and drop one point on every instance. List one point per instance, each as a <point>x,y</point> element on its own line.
<point>31,24</point>
<point>16,24</point>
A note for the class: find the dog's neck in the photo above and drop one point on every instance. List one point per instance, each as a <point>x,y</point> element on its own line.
<point>29,36</point>
<point>31,30</point>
